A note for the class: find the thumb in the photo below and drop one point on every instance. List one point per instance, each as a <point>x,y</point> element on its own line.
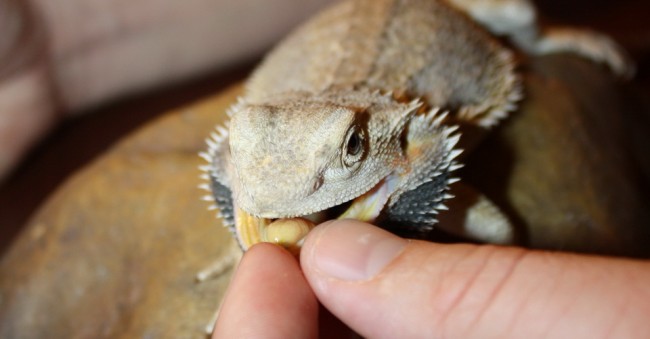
<point>384,286</point>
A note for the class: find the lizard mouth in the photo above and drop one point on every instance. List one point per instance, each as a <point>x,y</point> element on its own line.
<point>290,232</point>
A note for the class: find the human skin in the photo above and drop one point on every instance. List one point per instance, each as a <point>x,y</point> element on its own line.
<point>383,286</point>
<point>58,58</point>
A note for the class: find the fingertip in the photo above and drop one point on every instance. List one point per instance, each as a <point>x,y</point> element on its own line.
<point>350,250</point>
<point>268,297</point>
<point>346,263</point>
<point>264,250</point>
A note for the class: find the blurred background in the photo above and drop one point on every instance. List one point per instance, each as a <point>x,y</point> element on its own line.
<point>93,128</point>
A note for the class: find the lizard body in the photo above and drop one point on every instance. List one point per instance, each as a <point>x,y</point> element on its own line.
<point>348,116</point>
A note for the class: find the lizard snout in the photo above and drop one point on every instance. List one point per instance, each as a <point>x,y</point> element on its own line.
<point>275,197</point>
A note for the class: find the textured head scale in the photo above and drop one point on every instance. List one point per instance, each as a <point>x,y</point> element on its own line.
<point>299,154</point>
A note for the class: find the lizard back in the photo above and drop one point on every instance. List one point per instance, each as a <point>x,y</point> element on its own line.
<point>418,48</point>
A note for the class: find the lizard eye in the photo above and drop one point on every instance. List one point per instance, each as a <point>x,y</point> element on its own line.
<point>354,146</point>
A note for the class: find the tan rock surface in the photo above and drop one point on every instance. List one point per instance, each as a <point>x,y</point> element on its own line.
<point>114,252</point>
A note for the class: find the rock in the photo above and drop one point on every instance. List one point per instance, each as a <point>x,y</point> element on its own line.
<point>114,252</point>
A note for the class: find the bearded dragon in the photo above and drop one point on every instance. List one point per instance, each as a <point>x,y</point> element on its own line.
<point>359,114</point>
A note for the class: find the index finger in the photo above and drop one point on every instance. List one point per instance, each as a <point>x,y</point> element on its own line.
<point>268,298</point>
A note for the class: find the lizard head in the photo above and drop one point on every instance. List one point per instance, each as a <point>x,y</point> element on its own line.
<point>298,154</point>
<point>347,154</point>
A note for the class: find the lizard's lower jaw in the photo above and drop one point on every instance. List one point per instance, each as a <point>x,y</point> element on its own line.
<point>290,232</point>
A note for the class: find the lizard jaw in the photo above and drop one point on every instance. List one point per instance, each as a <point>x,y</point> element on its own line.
<point>250,229</point>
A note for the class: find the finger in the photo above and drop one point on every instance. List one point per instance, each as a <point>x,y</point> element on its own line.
<point>268,298</point>
<point>384,286</point>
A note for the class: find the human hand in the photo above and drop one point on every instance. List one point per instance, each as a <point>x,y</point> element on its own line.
<point>384,286</point>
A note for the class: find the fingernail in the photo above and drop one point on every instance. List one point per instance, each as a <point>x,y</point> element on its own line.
<point>352,250</point>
